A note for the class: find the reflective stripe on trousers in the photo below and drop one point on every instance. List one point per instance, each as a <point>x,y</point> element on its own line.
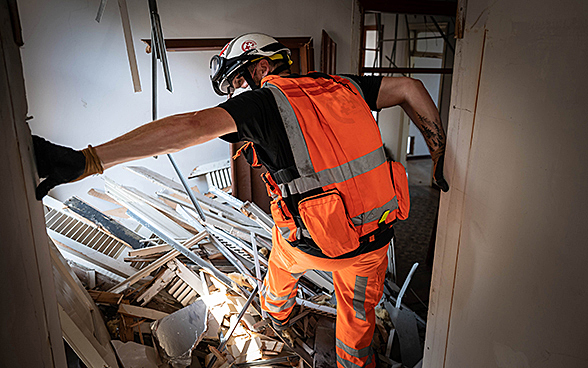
<point>358,282</point>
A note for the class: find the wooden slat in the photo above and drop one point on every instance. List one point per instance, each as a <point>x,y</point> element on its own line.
<point>141,312</point>
<point>126,24</point>
<point>155,265</point>
<point>105,297</point>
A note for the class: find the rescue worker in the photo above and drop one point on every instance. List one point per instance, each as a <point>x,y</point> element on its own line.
<point>335,196</point>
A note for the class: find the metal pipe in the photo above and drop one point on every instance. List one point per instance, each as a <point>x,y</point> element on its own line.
<point>392,58</point>
<point>443,34</point>
<point>101,10</point>
<point>221,347</point>
<point>153,79</point>
<point>257,267</point>
<point>187,188</point>
<point>154,117</point>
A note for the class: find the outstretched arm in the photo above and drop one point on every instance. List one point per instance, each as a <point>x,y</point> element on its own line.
<point>415,100</point>
<point>167,135</point>
<point>59,165</point>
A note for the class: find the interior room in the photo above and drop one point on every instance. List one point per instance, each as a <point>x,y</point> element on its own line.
<point>103,271</point>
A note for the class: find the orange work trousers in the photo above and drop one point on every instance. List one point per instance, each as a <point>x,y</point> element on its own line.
<point>358,281</point>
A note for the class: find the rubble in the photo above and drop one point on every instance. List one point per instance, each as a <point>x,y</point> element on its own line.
<point>174,292</point>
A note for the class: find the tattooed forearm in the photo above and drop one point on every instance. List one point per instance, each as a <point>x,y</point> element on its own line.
<point>432,132</point>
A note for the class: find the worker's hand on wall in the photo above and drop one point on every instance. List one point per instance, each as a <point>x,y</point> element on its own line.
<point>59,164</point>
<point>438,173</point>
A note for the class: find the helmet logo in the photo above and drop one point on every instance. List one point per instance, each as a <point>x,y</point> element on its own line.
<point>248,45</point>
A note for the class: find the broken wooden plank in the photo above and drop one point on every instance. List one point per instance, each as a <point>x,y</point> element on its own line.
<point>167,183</point>
<point>147,251</point>
<point>258,215</point>
<point>126,24</point>
<point>141,312</point>
<point>158,284</point>
<point>101,195</point>
<point>155,265</point>
<point>189,277</point>
<point>105,297</point>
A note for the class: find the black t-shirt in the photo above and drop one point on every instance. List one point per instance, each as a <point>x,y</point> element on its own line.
<point>259,121</point>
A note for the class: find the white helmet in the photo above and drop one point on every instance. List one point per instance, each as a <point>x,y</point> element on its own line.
<point>238,54</point>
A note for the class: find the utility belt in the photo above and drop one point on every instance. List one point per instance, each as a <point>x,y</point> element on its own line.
<point>318,223</point>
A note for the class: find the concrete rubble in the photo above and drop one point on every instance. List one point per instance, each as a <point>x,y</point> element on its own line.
<point>170,287</point>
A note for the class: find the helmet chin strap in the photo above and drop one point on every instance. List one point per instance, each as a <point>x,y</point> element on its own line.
<point>249,79</point>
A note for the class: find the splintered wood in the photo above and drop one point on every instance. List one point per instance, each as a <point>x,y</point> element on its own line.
<point>143,291</point>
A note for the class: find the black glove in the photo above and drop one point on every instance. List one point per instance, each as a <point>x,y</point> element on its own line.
<point>58,164</point>
<point>438,174</point>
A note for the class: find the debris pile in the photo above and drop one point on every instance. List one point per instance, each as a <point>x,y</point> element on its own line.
<point>179,291</point>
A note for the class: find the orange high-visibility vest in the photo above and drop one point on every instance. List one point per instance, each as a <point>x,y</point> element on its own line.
<point>342,175</point>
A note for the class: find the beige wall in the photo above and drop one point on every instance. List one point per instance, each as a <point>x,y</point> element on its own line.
<point>510,277</point>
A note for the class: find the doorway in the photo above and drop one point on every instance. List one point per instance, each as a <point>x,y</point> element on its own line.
<point>421,47</point>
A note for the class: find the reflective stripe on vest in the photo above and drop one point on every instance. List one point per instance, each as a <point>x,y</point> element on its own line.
<point>311,179</point>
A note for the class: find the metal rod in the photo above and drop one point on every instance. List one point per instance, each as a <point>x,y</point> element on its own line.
<point>443,34</point>
<point>392,58</point>
<point>168,83</point>
<point>183,250</point>
<point>408,35</point>
<point>154,117</point>
<point>380,49</point>
<point>405,285</point>
<point>187,187</point>
<point>221,347</point>
<point>159,44</point>
<point>214,234</point>
<point>257,267</point>
<point>153,79</point>
<point>101,10</point>
<point>393,258</point>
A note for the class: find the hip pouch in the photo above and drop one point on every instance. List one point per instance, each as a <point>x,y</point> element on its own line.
<point>327,221</point>
<point>400,181</point>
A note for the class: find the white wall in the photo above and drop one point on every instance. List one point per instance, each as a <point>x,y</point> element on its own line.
<point>510,275</point>
<point>78,79</point>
